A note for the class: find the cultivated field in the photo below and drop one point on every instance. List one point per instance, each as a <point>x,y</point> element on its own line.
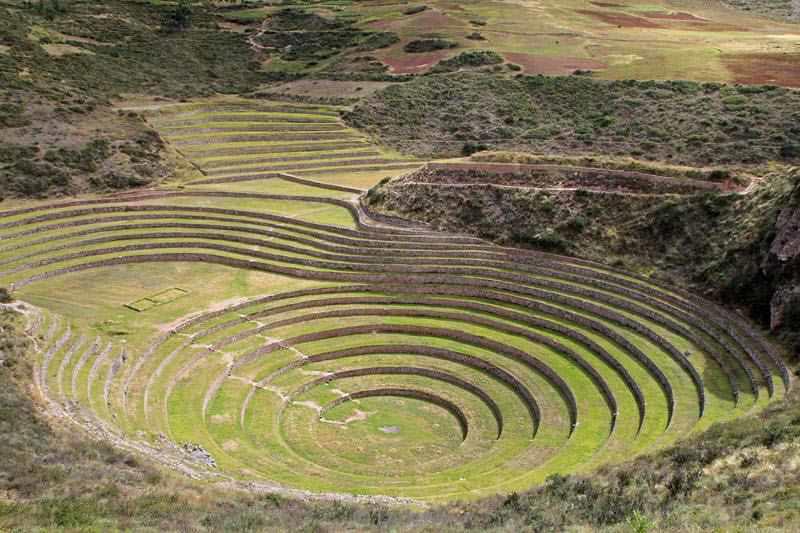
<point>258,326</point>
<point>631,39</point>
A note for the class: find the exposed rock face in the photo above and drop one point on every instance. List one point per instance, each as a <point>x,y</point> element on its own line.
<point>782,264</point>
<point>786,246</point>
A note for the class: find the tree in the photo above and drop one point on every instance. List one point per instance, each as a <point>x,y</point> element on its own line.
<point>5,296</point>
<point>50,8</point>
<point>179,18</point>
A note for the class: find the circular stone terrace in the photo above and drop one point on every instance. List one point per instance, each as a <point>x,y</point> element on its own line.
<point>264,320</point>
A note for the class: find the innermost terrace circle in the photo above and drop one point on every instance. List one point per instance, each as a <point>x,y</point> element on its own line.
<point>389,433</point>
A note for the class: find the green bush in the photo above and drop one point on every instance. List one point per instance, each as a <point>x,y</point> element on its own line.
<point>419,46</point>
<point>469,59</point>
<point>682,123</point>
<point>117,181</point>
<point>300,35</point>
<point>790,151</point>
<point>179,18</point>
<point>12,116</point>
<point>734,101</point>
<point>377,40</point>
<point>470,148</point>
<point>415,9</point>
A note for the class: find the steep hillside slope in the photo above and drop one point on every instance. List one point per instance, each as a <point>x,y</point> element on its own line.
<point>741,248</point>
<point>64,64</point>
<point>679,122</point>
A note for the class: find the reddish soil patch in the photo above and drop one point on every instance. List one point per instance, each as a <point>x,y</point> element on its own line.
<point>381,24</point>
<point>415,63</point>
<point>619,19</point>
<point>432,20</point>
<point>769,69</point>
<point>426,21</point>
<point>533,64</point>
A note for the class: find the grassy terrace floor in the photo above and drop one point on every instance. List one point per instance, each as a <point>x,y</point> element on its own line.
<point>235,140</point>
<point>293,341</point>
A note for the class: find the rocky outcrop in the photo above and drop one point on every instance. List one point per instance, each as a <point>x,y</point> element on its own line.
<point>782,265</point>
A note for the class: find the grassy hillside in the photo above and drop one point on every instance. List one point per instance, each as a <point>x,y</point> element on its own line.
<point>678,122</point>
<point>64,64</point>
<point>657,39</point>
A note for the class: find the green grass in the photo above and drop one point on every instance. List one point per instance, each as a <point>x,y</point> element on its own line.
<point>163,297</point>
<point>206,386</point>
<point>227,153</point>
<point>631,41</point>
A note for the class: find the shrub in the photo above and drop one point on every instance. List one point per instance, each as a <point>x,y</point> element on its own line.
<point>12,116</point>
<point>719,174</point>
<point>301,35</point>
<point>734,101</point>
<point>577,223</point>
<point>70,512</point>
<point>415,9</point>
<point>117,181</point>
<point>470,148</point>
<point>790,151</point>
<point>291,19</point>
<point>419,46</point>
<point>639,523</point>
<point>51,8</point>
<point>5,296</point>
<point>377,40</point>
<point>469,59</point>
<point>179,18</point>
